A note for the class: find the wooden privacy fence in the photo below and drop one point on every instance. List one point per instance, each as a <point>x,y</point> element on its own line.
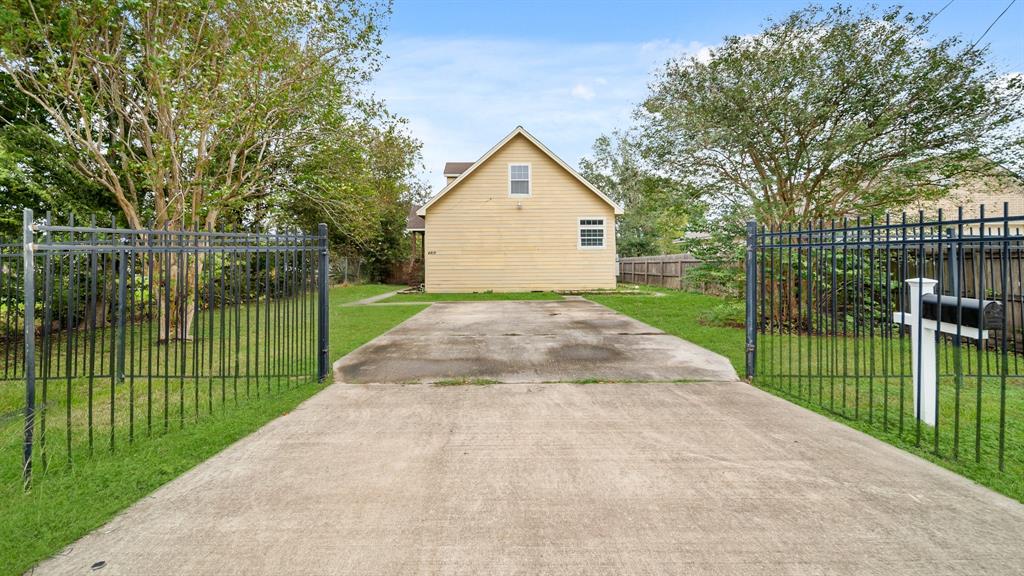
<point>667,271</point>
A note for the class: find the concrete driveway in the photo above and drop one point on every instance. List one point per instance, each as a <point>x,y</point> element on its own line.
<point>534,341</point>
<point>632,479</point>
<point>714,478</point>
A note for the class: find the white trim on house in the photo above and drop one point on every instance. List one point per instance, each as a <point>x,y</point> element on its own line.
<point>518,131</point>
<point>529,179</point>
<point>580,227</point>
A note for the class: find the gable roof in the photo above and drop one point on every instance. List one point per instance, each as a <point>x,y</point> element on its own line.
<point>456,168</point>
<point>413,221</point>
<point>519,131</point>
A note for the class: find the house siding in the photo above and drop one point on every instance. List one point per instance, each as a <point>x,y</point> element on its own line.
<point>477,238</point>
<point>992,191</point>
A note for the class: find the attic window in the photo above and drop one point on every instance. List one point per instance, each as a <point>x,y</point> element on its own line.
<point>519,179</point>
<point>591,233</point>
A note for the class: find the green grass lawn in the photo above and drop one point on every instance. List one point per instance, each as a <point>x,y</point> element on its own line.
<point>67,502</point>
<point>808,371</point>
<point>472,296</point>
<point>682,314</point>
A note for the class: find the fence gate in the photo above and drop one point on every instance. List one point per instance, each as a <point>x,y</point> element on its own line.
<point>119,333</point>
<point>912,325</point>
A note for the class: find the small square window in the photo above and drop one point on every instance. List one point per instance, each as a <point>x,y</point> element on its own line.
<point>519,179</point>
<point>591,233</point>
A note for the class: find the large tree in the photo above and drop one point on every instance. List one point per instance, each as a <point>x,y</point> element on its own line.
<point>190,111</point>
<point>361,186</point>
<point>829,112</point>
<point>185,108</point>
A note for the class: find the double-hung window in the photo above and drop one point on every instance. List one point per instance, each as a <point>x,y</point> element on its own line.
<point>518,179</point>
<point>591,233</point>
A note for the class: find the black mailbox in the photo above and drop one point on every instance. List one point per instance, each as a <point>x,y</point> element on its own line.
<point>972,311</point>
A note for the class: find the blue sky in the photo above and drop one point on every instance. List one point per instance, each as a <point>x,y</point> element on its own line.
<point>466,73</point>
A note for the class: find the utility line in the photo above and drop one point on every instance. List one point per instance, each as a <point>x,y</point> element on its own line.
<point>935,15</point>
<point>1012,2</point>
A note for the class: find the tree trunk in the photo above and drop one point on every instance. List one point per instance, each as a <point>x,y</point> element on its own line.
<point>176,296</point>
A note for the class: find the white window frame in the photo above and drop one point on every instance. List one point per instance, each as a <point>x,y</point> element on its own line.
<point>529,180</point>
<point>580,227</point>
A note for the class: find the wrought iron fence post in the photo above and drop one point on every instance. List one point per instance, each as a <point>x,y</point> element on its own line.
<point>322,339</point>
<point>28,253</point>
<point>751,297</point>
<point>122,295</point>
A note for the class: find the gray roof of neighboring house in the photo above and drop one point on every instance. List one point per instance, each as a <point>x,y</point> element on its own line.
<point>456,168</point>
<point>414,222</point>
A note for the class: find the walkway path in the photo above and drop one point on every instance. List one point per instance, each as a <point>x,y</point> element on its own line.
<point>372,299</point>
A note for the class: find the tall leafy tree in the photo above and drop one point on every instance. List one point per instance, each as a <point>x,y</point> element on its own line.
<point>187,112</point>
<point>361,186</point>
<point>830,112</point>
<point>184,109</point>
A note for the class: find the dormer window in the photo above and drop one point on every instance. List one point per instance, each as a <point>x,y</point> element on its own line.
<point>518,179</point>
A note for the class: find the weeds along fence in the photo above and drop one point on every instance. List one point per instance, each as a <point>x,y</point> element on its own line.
<point>108,335</point>
<point>913,326</point>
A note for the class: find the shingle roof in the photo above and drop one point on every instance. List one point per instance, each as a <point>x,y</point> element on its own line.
<point>456,168</point>
<point>414,221</point>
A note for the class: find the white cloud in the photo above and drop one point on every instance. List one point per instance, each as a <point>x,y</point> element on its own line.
<point>583,92</point>
<point>461,95</point>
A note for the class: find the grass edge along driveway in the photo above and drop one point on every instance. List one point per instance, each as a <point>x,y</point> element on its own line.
<point>64,505</point>
<point>684,314</point>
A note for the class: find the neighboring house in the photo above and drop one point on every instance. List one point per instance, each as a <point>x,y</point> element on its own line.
<point>996,191</point>
<point>518,219</point>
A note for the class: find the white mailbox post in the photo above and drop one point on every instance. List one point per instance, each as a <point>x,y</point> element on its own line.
<point>922,343</point>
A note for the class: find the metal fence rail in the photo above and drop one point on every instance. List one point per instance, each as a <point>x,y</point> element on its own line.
<point>913,325</point>
<point>109,334</point>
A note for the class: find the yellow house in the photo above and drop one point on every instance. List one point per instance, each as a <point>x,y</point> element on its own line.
<point>518,219</point>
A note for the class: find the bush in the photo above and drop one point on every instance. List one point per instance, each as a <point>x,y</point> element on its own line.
<point>729,314</point>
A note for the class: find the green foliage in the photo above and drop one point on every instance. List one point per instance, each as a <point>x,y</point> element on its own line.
<point>849,287</point>
<point>198,114</point>
<point>829,112</point>
<point>656,208</point>
<point>36,169</point>
<point>67,503</point>
<point>681,314</point>
<point>360,183</point>
<point>728,314</point>
<point>719,242</point>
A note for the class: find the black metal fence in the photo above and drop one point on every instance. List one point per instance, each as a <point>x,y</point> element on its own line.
<point>108,334</point>
<point>835,312</point>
